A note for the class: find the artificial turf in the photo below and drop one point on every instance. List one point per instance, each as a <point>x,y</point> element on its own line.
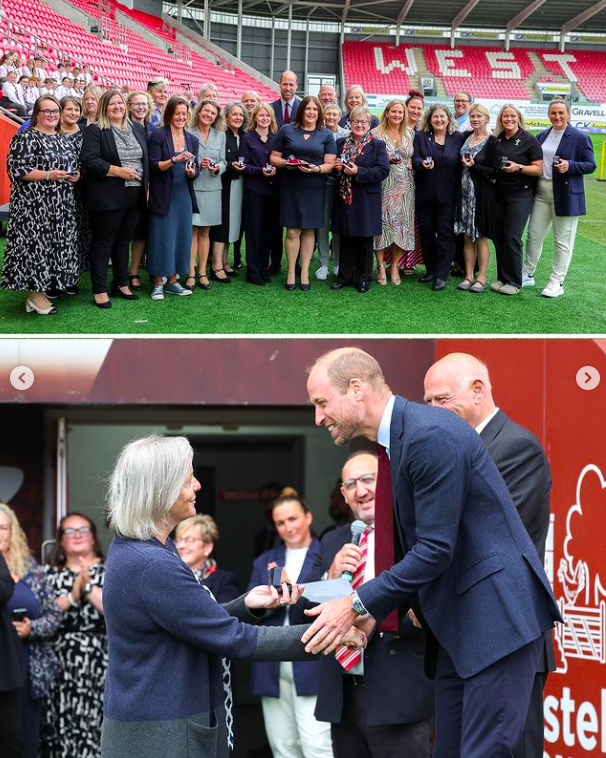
<point>412,308</point>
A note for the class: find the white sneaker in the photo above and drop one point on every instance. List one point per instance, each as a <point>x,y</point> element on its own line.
<point>322,273</point>
<point>527,280</point>
<point>553,289</point>
<point>496,285</point>
<point>508,289</point>
<point>157,292</point>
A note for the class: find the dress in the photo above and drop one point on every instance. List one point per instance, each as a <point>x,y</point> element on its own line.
<point>42,250</point>
<point>71,723</point>
<point>82,222</point>
<point>398,199</point>
<point>302,195</point>
<point>169,239</point>
<point>467,223</point>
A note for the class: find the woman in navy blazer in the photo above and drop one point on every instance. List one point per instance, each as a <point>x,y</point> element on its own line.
<point>115,160</point>
<point>172,201</point>
<point>560,199</point>
<point>288,693</point>
<point>361,166</point>
<point>437,163</point>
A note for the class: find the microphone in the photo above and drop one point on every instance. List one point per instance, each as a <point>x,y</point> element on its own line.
<point>357,530</point>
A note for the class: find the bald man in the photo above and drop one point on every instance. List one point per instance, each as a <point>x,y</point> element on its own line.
<point>460,383</point>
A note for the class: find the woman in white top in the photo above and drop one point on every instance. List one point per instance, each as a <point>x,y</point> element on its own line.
<point>12,95</point>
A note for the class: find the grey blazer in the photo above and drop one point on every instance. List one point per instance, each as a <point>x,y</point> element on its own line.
<point>214,148</point>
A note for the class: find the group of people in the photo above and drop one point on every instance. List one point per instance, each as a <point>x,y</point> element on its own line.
<point>182,181</point>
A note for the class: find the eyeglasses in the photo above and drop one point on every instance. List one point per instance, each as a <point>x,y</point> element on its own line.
<point>188,540</point>
<point>49,113</point>
<point>462,101</point>
<point>360,123</point>
<point>81,530</point>
<point>365,479</point>
<point>139,105</point>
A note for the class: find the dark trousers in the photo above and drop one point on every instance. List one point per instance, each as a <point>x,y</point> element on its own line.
<point>532,741</point>
<point>261,226</point>
<point>484,714</point>
<point>515,210</point>
<point>352,738</point>
<point>355,260</point>
<point>11,727</point>
<point>436,225</point>
<point>17,108</point>
<point>111,234</point>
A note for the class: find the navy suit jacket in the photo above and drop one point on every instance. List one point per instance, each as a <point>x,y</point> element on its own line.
<point>439,184</point>
<point>265,677</point>
<point>396,689</point>
<point>468,559</point>
<point>277,106</point>
<point>363,218</point>
<point>161,148</point>
<point>99,152</point>
<point>569,188</point>
<point>224,585</point>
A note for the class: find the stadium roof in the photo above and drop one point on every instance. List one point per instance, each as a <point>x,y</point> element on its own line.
<point>543,15</point>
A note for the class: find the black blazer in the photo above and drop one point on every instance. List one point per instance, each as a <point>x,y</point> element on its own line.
<point>224,585</point>
<point>522,463</point>
<point>11,671</point>
<point>161,148</point>
<point>483,173</point>
<point>441,183</point>
<point>99,152</point>
<point>396,688</point>
<point>232,153</point>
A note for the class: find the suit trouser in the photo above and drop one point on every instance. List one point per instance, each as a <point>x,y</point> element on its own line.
<point>436,226</point>
<point>292,729</point>
<point>111,234</point>
<point>515,210</point>
<point>352,738</point>
<point>323,233</point>
<point>542,218</point>
<point>355,260</point>
<point>532,741</point>
<point>261,228</point>
<point>11,726</point>
<point>484,715</point>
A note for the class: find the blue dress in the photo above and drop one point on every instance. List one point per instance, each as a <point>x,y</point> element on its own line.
<point>169,240</point>
<point>302,195</point>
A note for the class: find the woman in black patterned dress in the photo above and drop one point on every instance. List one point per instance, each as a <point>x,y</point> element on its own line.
<point>41,246</point>
<point>71,723</point>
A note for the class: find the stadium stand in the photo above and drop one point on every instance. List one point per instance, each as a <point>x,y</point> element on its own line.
<point>586,68</point>
<point>128,58</point>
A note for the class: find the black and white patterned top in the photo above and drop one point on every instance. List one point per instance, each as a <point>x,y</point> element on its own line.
<point>129,151</point>
<point>85,617</point>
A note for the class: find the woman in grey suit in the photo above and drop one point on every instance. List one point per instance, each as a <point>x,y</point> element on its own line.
<point>209,127</point>
<point>168,685</point>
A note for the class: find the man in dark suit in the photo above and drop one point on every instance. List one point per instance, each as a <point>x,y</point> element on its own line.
<point>461,383</point>
<point>381,707</point>
<point>468,566</point>
<point>285,109</point>
<point>11,673</point>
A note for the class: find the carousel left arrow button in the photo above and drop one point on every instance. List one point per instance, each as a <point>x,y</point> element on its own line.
<point>22,378</point>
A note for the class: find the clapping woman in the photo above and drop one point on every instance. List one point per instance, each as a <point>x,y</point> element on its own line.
<point>306,151</point>
<point>42,252</point>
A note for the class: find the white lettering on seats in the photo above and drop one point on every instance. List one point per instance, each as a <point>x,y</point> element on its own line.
<point>504,65</point>
<point>564,61</point>
<point>446,64</point>
<point>410,67</point>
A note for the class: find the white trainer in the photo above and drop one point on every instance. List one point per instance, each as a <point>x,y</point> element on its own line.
<point>553,289</point>
<point>157,292</point>
<point>527,280</point>
<point>322,273</point>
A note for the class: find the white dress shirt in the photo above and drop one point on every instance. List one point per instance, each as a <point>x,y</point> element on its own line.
<point>483,424</point>
<point>384,433</point>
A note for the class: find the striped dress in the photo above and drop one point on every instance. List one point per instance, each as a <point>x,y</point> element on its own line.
<point>398,199</point>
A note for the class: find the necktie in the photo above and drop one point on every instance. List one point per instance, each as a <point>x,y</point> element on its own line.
<point>286,113</point>
<point>346,657</point>
<point>384,537</point>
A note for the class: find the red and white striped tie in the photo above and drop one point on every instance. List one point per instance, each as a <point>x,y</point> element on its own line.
<point>345,656</point>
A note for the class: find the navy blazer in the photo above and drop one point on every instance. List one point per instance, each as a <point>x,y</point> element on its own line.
<point>277,106</point>
<point>224,585</point>
<point>395,686</point>
<point>440,184</point>
<point>265,677</point>
<point>161,148</point>
<point>363,218</point>
<point>569,188</point>
<point>468,559</point>
<point>99,152</point>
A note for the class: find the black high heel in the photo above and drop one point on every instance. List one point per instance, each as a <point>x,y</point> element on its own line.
<point>117,292</point>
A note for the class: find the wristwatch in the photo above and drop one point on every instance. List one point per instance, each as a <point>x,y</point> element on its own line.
<point>521,169</point>
<point>357,605</point>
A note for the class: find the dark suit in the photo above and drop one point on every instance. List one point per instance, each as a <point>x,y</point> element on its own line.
<point>435,197</point>
<point>471,569</point>
<point>396,697</point>
<point>224,585</point>
<point>114,209</point>
<point>11,672</point>
<point>279,110</point>
<point>524,467</point>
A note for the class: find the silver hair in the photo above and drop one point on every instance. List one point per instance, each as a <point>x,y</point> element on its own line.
<point>146,483</point>
<point>241,106</point>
